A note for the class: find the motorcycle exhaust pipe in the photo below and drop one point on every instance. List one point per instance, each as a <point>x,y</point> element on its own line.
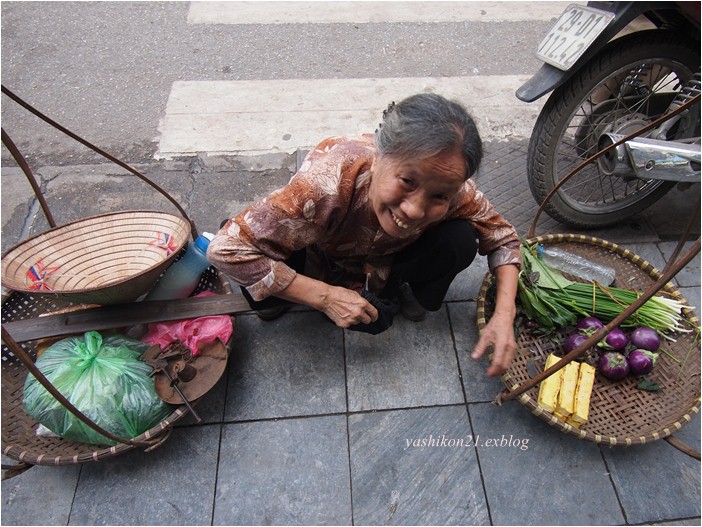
<point>650,159</point>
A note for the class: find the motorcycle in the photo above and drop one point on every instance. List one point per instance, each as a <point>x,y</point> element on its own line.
<point>610,78</point>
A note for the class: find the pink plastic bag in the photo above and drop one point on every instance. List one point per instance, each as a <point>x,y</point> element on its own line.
<point>190,331</point>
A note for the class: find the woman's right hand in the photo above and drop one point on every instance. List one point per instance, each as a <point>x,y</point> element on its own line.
<point>347,308</point>
<point>343,306</point>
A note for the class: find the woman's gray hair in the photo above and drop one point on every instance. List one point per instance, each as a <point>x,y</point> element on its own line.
<point>427,124</point>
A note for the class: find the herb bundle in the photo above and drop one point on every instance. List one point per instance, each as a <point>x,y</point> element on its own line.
<point>551,300</point>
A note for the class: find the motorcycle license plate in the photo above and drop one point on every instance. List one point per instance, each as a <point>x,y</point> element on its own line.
<point>575,30</point>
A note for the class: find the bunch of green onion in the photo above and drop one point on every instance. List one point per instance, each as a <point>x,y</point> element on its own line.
<point>551,300</point>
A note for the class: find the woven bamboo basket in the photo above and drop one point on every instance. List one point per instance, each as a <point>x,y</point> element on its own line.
<point>106,259</point>
<point>620,414</point>
<point>19,439</point>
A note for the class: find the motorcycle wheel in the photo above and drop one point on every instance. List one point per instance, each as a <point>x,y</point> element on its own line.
<point>627,85</point>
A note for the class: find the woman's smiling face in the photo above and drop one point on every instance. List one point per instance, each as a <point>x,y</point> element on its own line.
<point>407,195</point>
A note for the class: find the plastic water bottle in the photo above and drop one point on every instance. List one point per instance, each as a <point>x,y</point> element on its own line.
<point>576,265</point>
<point>182,277</point>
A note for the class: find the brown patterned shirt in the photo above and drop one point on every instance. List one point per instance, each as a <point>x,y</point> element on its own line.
<point>325,208</point>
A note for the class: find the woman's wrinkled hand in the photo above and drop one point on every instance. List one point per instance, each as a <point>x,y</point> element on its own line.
<point>346,307</point>
<point>498,333</point>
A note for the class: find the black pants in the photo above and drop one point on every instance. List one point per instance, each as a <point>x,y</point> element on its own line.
<point>429,265</point>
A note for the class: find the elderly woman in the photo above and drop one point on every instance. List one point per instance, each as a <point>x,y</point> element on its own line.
<point>371,226</point>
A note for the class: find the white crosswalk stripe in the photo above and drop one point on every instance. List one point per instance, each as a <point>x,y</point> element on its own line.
<point>229,117</point>
<point>257,116</point>
<point>366,12</point>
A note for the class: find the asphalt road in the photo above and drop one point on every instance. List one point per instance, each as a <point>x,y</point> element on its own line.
<point>105,69</point>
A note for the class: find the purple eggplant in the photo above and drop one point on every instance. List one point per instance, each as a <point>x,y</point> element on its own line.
<point>573,341</point>
<point>589,325</point>
<point>641,361</point>
<point>646,338</point>
<point>613,365</point>
<point>616,340</point>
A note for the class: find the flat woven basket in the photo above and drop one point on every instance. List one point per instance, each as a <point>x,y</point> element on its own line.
<point>19,439</point>
<point>620,414</point>
<point>106,259</point>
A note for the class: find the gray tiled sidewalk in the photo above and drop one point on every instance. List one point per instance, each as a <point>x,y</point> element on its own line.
<point>315,425</point>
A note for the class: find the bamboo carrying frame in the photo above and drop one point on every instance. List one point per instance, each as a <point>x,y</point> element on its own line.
<point>19,439</point>
<point>620,413</point>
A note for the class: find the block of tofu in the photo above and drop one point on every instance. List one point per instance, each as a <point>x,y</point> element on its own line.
<point>549,387</point>
<point>583,393</point>
<point>569,383</point>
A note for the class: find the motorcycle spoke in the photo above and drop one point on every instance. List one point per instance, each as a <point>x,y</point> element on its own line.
<point>585,190</point>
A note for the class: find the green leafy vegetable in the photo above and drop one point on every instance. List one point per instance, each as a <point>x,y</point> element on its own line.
<point>551,300</point>
<point>648,386</point>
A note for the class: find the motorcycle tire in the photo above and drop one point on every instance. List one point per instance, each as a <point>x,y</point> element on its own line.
<point>622,89</point>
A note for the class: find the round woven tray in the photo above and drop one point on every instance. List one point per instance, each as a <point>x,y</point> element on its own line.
<point>19,439</point>
<point>106,259</point>
<point>620,414</point>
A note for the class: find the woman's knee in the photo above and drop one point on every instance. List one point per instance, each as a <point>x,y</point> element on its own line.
<point>458,239</point>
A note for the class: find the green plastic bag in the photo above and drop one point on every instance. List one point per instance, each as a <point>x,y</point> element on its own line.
<point>105,380</point>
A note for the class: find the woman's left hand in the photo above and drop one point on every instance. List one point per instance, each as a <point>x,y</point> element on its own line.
<point>499,331</point>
